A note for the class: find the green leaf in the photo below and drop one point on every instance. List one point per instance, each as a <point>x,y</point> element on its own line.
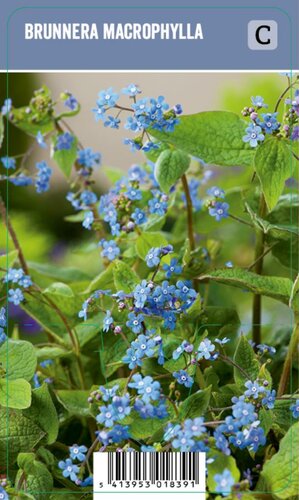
<point>281,471</point>
<point>64,274</point>
<point>142,428</point>
<point>24,121</point>
<point>37,479</point>
<point>196,404</point>
<point>104,281</point>
<point>43,412</point>
<point>170,167</point>
<point>124,277</point>
<point>246,359</point>
<point>271,286</point>
<point>146,241</point>
<point>63,296</point>
<point>15,393</point>
<point>272,163</point>
<point>18,358</point>
<point>213,136</point>
<point>282,415</point>
<point>17,434</point>
<point>89,329</point>
<point>75,402</point>
<point>221,462</point>
<point>112,349</point>
<point>65,158</point>
<point>266,419</point>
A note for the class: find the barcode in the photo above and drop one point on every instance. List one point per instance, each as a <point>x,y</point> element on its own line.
<point>152,467</point>
<point>147,472</point>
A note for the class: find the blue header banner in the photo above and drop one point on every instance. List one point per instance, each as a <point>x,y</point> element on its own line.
<point>149,37</point>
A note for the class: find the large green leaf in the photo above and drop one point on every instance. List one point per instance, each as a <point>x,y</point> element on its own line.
<point>281,471</point>
<point>213,136</point>
<point>17,434</point>
<point>65,274</point>
<point>75,402</point>
<point>196,404</point>
<point>65,158</point>
<point>170,167</point>
<point>37,480</point>
<point>125,278</point>
<point>246,359</point>
<point>18,358</point>
<point>217,466</point>
<point>142,428</point>
<point>273,166</point>
<point>271,286</point>
<point>15,393</point>
<point>64,298</point>
<point>43,412</point>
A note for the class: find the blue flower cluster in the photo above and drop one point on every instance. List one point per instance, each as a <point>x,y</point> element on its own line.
<point>69,468</point>
<point>218,209</point>
<point>145,113</point>
<point>191,435</point>
<point>261,124</point>
<point>42,182</point>
<point>17,277</point>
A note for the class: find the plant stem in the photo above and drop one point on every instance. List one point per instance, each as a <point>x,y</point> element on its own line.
<point>13,235</point>
<point>189,212</point>
<point>258,269</point>
<point>283,94</point>
<point>261,257</point>
<point>243,221</point>
<point>226,359</point>
<point>293,348</point>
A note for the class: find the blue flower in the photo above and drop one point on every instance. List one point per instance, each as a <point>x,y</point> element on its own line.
<point>87,158</point>
<point>20,180</point>
<point>8,163</point>
<point>43,176</point>
<point>183,441</point>
<point>112,122</point>
<point>108,394</point>
<point>158,105</point>
<point>14,275</point>
<point>140,107</point>
<point>132,359</point>
<point>88,197</point>
<point>134,124</point>
<point>36,382</point>
<point>121,406</point>
<point>205,349</point>
<point>270,123</point>
<point>183,378</point>
<point>139,216</point>
<point>108,320</point>
<point>150,146</point>
<point>169,320</point>
<point>15,296</point>
<point>153,257</point>
<point>224,482</point>
<point>146,387</point>
<point>255,437</point>
<point>253,389</point>
<point>259,102</point>
<point>131,90</point>
<point>3,494</point>
<point>136,173</point>
<point>118,433</point>
<point>172,268</point>
<point>184,292</point>
<point>229,264</point>
<point>71,102</point>
<point>88,481</point>
<point>133,194</point>
<point>78,452</point>
<point>99,113</point>
<point>145,410</point>
<point>107,98</point>
<point>6,106</point>
<point>254,135</point>
<point>40,140</point>
<point>161,411</point>
<point>219,210</point>
<point>230,425</point>
<point>145,448</point>
<point>157,207</point>
<point>133,143</point>
<point>110,249</point>
<point>64,141</point>
<point>144,346</point>
<point>245,412</point>
<point>46,363</point>
<point>238,440</point>
<point>25,281</point>
<point>88,219</point>
<point>216,192</point>
<point>69,469</point>
<point>223,341</point>
<point>295,409</point>
<point>221,442</point>
<point>3,335</point>
<point>179,350</point>
<point>269,400</point>
<point>107,416</point>
<point>135,322</point>
<point>266,349</point>
<point>195,427</point>
<point>2,316</point>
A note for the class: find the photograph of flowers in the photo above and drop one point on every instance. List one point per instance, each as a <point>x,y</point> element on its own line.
<point>149,280</point>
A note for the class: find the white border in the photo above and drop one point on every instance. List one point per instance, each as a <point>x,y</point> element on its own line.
<point>277,71</point>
